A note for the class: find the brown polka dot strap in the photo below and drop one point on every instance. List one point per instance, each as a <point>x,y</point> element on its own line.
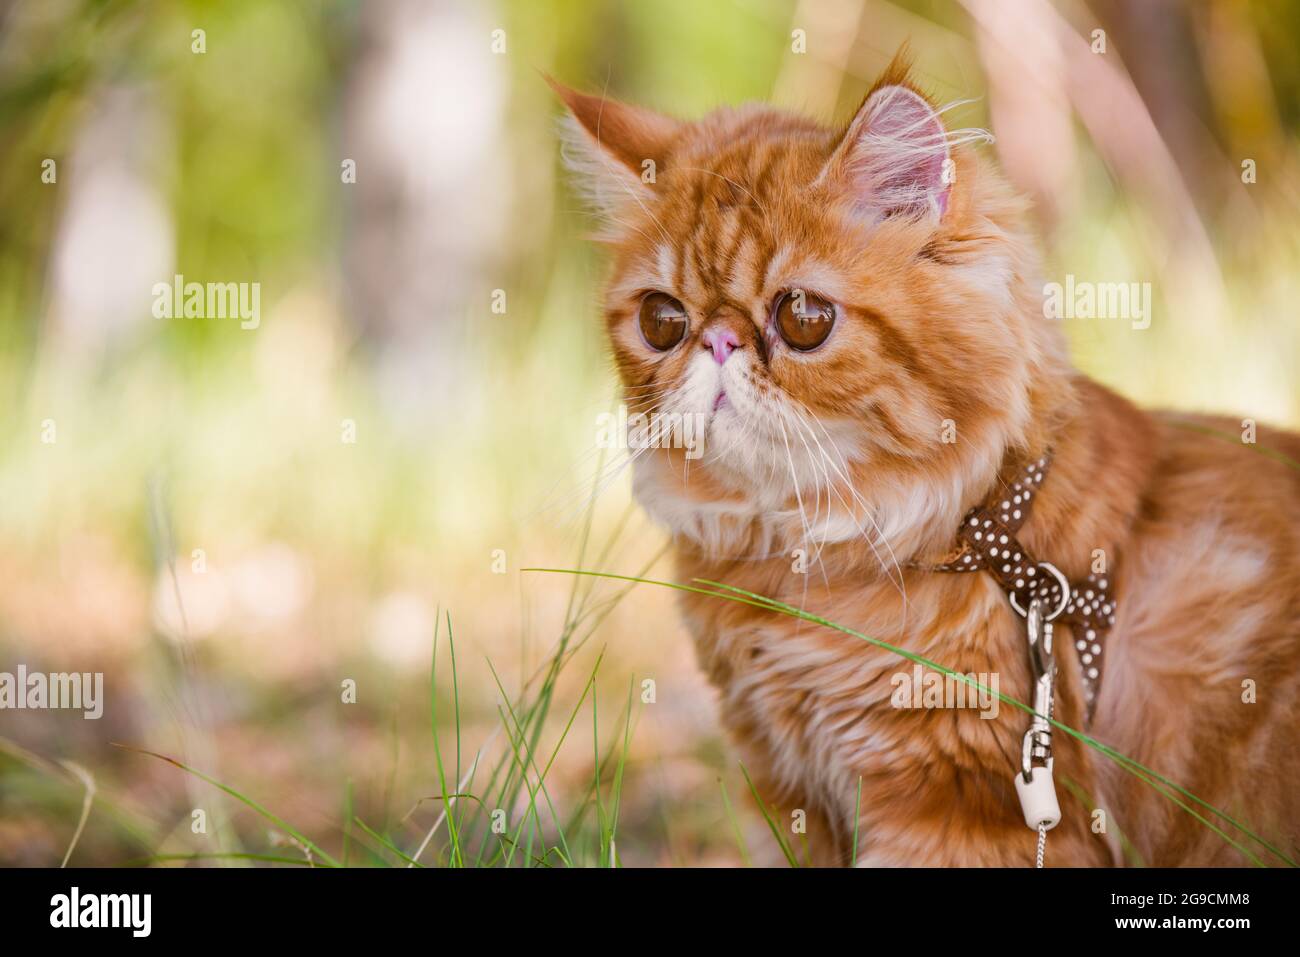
<point>986,541</point>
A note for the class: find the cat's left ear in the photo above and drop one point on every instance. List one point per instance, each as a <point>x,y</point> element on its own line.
<point>616,150</point>
<point>895,157</point>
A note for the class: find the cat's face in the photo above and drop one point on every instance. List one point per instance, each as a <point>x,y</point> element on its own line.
<point>839,311</point>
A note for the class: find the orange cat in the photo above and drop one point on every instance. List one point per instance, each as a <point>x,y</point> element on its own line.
<point>856,316</point>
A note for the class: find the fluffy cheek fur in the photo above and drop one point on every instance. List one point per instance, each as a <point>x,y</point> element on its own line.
<point>926,379</point>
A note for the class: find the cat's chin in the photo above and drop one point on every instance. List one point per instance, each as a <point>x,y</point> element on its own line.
<point>737,499</point>
<point>735,502</point>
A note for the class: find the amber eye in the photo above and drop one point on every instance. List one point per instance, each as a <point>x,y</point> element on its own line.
<point>804,320</point>
<point>663,321</point>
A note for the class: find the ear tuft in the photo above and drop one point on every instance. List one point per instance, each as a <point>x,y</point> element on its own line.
<point>615,150</point>
<point>902,156</point>
<point>896,158</point>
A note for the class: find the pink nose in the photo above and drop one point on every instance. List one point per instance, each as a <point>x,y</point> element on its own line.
<point>722,341</point>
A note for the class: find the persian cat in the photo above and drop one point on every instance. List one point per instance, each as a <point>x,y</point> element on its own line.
<point>856,317</point>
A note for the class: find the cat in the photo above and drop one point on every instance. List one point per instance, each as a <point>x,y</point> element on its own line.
<point>857,316</point>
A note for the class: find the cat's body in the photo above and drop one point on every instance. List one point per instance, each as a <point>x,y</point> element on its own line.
<point>846,440</point>
<point>1204,537</point>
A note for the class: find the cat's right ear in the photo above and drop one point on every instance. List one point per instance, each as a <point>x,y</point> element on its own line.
<point>616,151</point>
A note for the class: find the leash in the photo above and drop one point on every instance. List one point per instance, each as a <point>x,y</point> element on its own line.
<point>1034,784</point>
<point>986,541</point>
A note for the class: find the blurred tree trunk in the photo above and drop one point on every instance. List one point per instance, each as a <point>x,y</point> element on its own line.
<point>1156,39</point>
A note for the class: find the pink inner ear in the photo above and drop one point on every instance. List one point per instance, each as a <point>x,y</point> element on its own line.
<point>900,153</point>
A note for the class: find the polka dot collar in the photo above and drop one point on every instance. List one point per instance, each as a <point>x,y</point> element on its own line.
<point>986,541</point>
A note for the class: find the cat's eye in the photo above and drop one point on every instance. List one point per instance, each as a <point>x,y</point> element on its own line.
<point>663,321</point>
<point>803,319</point>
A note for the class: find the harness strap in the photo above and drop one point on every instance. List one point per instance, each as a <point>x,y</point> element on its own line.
<point>986,541</point>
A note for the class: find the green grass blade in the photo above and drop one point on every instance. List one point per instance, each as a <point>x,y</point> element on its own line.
<point>247,801</point>
<point>771,822</point>
<point>387,843</point>
<point>1235,439</point>
<point>530,812</point>
<point>347,821</point>
<point>1130,852</point>
<point>453,836</point>
<point>618,778</point>
<point>735,825</point>
<point>543,772</point>
<point>88,782</point>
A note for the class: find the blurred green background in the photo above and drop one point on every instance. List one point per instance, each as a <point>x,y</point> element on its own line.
<point>201,530</point>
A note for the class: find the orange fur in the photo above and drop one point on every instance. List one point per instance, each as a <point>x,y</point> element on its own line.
<point>838,453</point>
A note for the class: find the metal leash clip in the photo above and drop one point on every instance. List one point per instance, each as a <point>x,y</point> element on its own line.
<point>1037,744</point>
<point>1034,785</point>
